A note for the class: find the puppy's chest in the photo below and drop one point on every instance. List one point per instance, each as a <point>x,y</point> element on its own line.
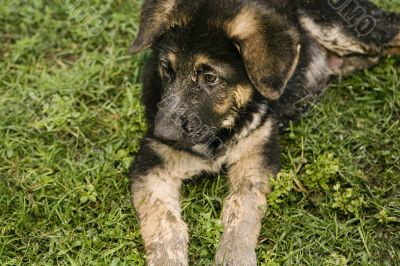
<point>247,143</point>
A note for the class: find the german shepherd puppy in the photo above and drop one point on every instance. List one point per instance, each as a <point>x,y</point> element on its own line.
<point>222,77</point>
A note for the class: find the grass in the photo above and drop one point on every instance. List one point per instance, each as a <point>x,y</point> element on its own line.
<point>71,123</point>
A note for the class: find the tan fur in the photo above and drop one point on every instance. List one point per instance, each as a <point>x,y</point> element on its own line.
<point>155,18</point>
<point>224,106</point>
<point>355,63</point>
<point>180,163</point>
<point>220,67</point>
<point>158,207</point>
<point>156,200</point>
<point>242,95</point>
<point>261,61</point>
<point>243,25</point>
<point>248,143</point>
<point>396,40</point>
<point>245,206</point>
<point>173,60</point>
<point>167,6</point>
<point>163,11</point>
<point>229,122</point>
<point>393,51</point>
<point>166,14</point>
<point>334,39</point>
<point>201,59</point>
<point>394,46</point>
<point>269,49</point>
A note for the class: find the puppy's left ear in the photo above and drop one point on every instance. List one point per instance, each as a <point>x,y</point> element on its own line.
<point>269,47</point>
<point>153,21</point>
<point>157,16</point>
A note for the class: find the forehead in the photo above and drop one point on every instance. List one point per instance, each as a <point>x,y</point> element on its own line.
<point>197,44</point>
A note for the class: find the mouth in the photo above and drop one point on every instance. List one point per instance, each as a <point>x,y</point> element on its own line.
<point>183,139</point>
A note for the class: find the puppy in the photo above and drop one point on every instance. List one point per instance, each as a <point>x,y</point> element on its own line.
<point>222,77</point>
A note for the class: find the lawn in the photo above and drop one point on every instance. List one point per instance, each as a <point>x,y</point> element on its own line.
<point>71,122</point>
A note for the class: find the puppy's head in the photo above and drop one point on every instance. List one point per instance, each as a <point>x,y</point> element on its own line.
<point>212,57</point>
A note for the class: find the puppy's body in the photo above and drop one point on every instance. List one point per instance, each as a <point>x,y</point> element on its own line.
<point>222,77</point>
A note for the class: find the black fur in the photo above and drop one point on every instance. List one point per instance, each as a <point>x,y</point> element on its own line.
<point>327,12</point>
<point>221,71</point>
<point>146,160</point>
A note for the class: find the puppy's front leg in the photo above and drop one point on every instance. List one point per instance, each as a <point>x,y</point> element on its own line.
<point>156,178</point>
<point>244,207</point>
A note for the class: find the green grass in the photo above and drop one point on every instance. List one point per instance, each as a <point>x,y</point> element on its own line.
<point>71,122</point>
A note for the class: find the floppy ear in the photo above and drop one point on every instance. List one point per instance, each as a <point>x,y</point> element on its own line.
<point>154,18</point>
<point>158,16</point>
<point>269,48</point>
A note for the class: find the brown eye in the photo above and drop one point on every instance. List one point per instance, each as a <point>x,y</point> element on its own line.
<point>210,78</point>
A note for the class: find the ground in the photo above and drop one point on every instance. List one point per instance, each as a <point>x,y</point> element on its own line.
<point>70,125</point>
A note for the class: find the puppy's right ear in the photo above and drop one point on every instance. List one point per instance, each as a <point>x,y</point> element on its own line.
<point>157,16</point>
<point>268,44</point>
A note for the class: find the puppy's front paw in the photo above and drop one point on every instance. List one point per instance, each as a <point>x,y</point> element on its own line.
<point>166,262</point>
<point>173,253</point>
<point>235,253</point>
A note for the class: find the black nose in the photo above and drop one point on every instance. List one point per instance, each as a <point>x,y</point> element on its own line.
<point>168,132</point>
